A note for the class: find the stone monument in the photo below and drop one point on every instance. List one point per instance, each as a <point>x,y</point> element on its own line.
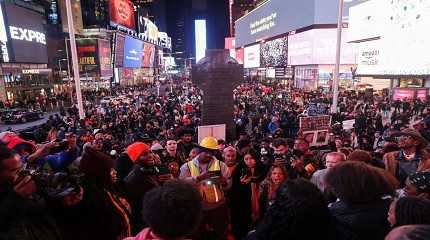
<point>218,75</point>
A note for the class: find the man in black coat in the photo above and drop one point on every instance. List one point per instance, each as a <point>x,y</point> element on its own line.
<point>23,216</point>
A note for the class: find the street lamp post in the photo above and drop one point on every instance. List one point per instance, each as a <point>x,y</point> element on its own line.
<point>74,59</point>
<point>337,65</point>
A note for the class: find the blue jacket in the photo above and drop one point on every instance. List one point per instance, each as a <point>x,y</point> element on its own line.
<point>58,162</point>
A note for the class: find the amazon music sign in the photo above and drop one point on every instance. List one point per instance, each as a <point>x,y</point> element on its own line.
<point>22,35</point>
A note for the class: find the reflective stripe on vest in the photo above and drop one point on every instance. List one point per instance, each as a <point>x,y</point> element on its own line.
<point>195,170</point>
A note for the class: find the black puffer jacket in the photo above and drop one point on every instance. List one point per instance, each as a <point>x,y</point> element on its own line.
<point>25,219</point>
<point>368,221</point>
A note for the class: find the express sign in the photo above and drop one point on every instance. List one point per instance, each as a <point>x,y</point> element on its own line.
<point>22,35</point>
<point>27,35</point>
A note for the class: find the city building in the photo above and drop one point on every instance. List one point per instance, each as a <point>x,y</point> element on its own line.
<point>294,41</point>
<point>181,15</point>
<point>24,70</point>
<point>238,8</point>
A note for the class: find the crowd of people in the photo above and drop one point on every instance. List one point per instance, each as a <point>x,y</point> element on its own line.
<point>133,169</point>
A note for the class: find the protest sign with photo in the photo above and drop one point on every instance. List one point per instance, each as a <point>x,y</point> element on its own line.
<point>315,129</point>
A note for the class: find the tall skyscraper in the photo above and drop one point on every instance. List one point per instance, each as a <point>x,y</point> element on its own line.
<point>239,8</point>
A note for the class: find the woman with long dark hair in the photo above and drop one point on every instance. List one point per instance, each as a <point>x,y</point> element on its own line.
<point>102,213</point>
<point>245,193</point>
<point>276,176</point>
<point>299,212</point>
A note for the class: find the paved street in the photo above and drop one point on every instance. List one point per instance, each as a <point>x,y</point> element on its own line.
<point>17,127</point>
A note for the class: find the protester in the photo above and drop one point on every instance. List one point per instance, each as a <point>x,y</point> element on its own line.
<point>362,191</point>
<point>102,213</point>
<point>410,232</point>
<point>411,158</point>
<point>297,206</point>
<point>171,154</point>
<point>172,211</point>
<point>268,188</point>
<point>144,176</point>
<point>212,177</point>
<point>245,193</point>
<point>332,159</point>
<point>24,212</point>
<point>408,211</point>
<point>417,185</point>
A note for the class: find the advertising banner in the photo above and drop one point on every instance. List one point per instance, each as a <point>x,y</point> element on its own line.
<point>315,129</point>
<point>105,58</point>
<point>274,53</point>
<point>119,50</point>
<point>239,55</point>
<point>3,97</point>
<point>365,21</point>
<point>402,47</point>
<point>148,55</point>
<point>229,43</point>
<point>318,46</point>
<point>133,51</point>
<point>216,131</point>
<point>422,94</point>
<point>252,56</point>
<point>276,17</point>
<point>164,40</point>
<point>22,35</point>
<point>410,93</point>
<point>147,29</point>
<point>121,13</point>
<point>88,58</point>
<point>369,57</point>
<point>76,15</point>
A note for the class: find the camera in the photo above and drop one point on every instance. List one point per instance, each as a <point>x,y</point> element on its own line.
<point>53,185</point>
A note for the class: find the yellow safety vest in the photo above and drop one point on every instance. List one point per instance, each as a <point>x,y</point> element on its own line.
<point>195,170</point>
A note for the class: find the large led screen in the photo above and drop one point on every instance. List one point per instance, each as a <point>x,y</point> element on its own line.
<point>403,47</point>
<point>276,17</point>
<point>122,13</point>
<point>22,35</point>
<point>364,21</point>
<point>133,51</point>
<point>119,50</point>
<point>252,56</point>
<point>274,53</point>
<point>105,58</point>
<point>318,46</point>
<point>200,39</point>
<point>88,58</point>
<point>148,55</point>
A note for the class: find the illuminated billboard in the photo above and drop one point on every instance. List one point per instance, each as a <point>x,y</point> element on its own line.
<point>133,52</point>
<point>276,17</point>
<point>318,46</point>
<point>274,53</point>
<point>121,13</point>
<point>200,39</point>
<point>22,35</point>
<point>252,56</point>
<point>402,47</point>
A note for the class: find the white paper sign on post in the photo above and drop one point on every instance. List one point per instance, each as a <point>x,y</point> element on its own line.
<point>348,124</point>
<point>216,131</point>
